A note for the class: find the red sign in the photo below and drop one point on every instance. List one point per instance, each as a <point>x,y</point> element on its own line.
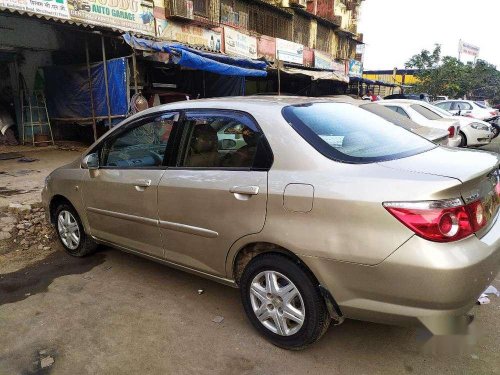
<point>266,47</point>
<point>308,57</point>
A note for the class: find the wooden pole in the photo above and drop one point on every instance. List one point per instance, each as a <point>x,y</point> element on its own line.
<point>94,126</point>
<point>105,68</point>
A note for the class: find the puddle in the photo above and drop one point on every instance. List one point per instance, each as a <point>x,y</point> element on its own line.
<point>18,172</point>
<point>6,192</point>
<point>19,285</point>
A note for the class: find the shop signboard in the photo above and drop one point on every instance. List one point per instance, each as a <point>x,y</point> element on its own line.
<point>308,57</point>
<point>239,44</point>
<point>355,68</point>
<point>266,47</point>
<point>322,60</point>
<point>189,34</point>
<point>127,15</point>
<point>51,8</point>
<point>338,66</point>
<point>289,51</point>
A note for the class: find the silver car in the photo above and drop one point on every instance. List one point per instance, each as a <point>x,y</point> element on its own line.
<point>326,211</point>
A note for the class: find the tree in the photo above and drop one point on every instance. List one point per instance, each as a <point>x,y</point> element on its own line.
<point>448,76</point>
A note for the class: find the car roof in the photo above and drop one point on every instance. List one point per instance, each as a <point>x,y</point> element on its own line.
<point>238,103</point>
<point>402,101</point>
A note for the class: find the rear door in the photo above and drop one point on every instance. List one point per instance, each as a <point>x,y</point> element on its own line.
<point>215,191</point>
<point>121,196</point>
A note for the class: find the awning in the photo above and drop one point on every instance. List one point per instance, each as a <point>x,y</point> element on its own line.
<point>201,60</point>
<point>318,74</point>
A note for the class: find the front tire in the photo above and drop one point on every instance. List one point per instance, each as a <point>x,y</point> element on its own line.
<point>283,302</point>
<point>463,140</point>
<point>71,234</point>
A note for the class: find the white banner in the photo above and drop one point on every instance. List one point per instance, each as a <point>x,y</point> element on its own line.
<point>322,60</point>
<point>289,51</point>
<point>239,44</point>
<point>52,8</point>
<point>468,49</point>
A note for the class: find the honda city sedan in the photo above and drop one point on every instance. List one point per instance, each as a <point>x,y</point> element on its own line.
<point>317,210</point>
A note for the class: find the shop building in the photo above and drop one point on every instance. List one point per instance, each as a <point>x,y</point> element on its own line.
<point>195,48</point>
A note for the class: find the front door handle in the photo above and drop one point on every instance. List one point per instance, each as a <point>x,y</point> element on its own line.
<point>140,185</point>
<point>245,190</point>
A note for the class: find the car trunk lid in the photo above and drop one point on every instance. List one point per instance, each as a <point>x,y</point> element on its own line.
<point>478,171</point>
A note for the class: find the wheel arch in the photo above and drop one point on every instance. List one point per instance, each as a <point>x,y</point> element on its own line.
<point>251,250</point>
<point>55,202</point>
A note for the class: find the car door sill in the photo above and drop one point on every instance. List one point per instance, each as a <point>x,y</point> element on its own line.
<point>193,271</point>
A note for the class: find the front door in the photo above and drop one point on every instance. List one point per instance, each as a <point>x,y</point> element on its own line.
<point>121,196</point>
<point>215,191</point>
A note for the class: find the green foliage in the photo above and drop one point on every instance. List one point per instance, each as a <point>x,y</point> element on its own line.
<point>448,76</point>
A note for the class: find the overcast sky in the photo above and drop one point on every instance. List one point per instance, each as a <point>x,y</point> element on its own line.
<point>394,30</point>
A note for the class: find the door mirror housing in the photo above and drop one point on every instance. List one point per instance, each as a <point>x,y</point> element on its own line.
<point>91,161</point>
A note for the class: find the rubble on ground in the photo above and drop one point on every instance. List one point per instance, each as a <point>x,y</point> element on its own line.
<point>26,227</point>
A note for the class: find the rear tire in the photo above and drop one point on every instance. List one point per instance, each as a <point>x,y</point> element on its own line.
<point>293,315</point>
<point>71,234</point>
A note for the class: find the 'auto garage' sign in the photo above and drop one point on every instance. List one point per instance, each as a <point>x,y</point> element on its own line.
<point>127,15</point>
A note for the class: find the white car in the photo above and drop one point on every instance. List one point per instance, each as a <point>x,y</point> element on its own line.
<point>467,108</point>
<point>472,131</point>
<point>417,112</point>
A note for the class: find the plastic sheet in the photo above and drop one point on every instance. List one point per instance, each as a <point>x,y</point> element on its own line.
<point>67,89</point>
<point>200,60</point>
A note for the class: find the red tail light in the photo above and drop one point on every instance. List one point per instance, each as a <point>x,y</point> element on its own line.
<point>493,113</point>
<point>440,221</point>
<point>451,132</point>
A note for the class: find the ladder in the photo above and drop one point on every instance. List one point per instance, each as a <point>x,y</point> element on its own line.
<point>35,117</point>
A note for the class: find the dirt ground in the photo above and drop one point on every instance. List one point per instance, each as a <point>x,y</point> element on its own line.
<point>115,313</point>
<point>21,182</point>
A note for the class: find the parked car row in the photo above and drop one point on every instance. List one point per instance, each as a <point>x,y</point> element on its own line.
<point>317,209</point>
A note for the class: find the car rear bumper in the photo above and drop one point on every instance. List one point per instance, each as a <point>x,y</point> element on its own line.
<point>427,282</point>
<point>454,142</point>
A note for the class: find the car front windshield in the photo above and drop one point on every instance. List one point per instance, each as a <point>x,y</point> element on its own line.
<point>346,133</point>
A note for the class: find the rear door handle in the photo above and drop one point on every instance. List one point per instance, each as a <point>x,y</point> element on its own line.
<point>245,190</point>
<point>142,184</point>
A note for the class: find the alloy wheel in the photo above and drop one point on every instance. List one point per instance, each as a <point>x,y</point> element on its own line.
<point>68,229</point>
<point>277,303</point>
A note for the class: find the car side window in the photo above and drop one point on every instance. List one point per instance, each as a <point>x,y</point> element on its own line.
<point>446,105</point>
<point>466,106</point>
<point>219,139</point>
<point>141,145</point>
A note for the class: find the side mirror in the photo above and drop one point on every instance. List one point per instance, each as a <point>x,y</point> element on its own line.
<point>91,161</point>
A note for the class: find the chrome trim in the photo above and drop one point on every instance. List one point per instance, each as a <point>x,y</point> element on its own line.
<point>426,205</point>
<point>221,280</point>
<point>197,231</point>
<point>120,215</point>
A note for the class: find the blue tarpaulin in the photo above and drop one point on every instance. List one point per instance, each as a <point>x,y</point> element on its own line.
<point>201,60</point>
<point>68,95</point>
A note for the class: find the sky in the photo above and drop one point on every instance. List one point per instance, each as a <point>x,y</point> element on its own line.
<point>395,30</point>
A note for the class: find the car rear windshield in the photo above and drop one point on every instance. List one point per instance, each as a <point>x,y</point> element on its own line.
<point>426,112</point>
<point>346,133</point>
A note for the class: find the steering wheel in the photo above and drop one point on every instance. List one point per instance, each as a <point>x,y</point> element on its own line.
<point>158,158</point>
